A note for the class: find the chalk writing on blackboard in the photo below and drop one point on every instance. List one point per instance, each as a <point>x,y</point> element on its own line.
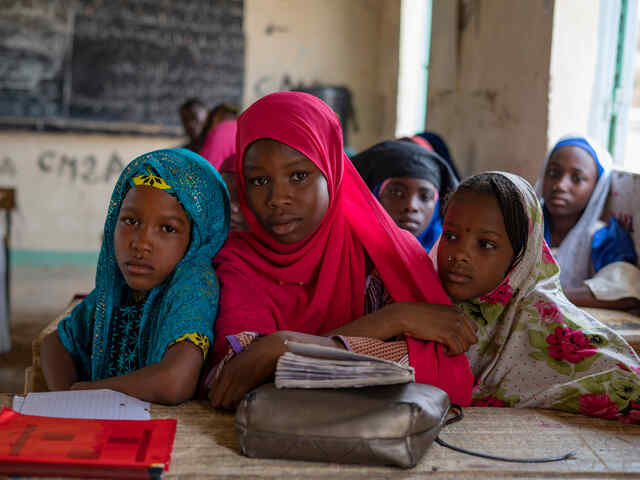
<point>117,65</point>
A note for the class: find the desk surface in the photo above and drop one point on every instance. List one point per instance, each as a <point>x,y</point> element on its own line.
<point>206,447</point>
<point>625,323</point>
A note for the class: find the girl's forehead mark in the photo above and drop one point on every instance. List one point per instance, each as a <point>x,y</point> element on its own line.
<point>467,229</point>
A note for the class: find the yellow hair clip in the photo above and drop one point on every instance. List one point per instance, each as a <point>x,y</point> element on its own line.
<point>151,180</point>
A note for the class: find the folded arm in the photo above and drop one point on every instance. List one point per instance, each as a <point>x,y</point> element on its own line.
<point>584,297</point>
<point>255,365</point>
<point>171,381</point>
<point>445,324</point>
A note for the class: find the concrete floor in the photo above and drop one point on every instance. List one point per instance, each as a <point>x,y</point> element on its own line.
<point>38,295</point>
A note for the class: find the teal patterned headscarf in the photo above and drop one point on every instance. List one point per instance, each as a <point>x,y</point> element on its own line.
<point>187,300</point>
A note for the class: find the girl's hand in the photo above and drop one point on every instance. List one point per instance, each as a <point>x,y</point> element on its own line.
<point>446,324</point>
<point>247,370</point>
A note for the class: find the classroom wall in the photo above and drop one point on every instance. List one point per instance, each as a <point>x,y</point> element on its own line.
<point>63,183</point>
<point>489,82</point>
<point>352,43</point>
<point>63,180</point>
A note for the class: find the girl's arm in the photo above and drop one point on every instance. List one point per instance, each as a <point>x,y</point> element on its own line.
<point>256,364</point>
<point>57,363</point>
<point>445,324</point>
<point>583,297</point>
<point>171,381</point>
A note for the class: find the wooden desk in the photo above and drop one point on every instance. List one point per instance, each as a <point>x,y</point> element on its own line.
<point>626,324</point>
<point>206,447</point>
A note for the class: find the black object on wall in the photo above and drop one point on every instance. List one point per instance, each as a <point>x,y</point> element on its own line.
<point>116,65</point>
<point>340,100</point>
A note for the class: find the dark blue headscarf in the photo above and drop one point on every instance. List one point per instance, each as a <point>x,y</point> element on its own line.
<point>582,143</point>
<point>441,148</point>
<point>187,300</point>
<point>400,158</point>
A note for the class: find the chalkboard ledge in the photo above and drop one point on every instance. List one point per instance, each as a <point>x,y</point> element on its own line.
<point>53,124</point>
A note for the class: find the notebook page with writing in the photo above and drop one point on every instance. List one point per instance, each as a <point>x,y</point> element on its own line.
<point>99,404</point>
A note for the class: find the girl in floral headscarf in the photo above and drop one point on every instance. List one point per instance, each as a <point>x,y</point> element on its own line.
<point>147,326</point>
<point>535,348</point>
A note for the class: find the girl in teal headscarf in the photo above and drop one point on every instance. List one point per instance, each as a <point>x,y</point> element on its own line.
<point>146,327</point>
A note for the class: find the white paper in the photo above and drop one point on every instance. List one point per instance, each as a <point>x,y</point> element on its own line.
<point>100,404</point>
<point>17,403</point>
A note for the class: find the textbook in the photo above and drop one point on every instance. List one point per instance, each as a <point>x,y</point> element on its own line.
<point>313,366</point>
<point>67,447</point>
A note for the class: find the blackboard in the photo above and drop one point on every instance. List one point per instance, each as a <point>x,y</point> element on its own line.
<point>116,65</point>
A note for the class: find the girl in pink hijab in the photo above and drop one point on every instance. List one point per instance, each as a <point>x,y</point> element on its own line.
<point>220,142</point>
<point>322,261</point>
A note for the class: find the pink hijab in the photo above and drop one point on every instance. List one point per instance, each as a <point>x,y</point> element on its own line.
<point>220,143</point>
<point>318,284</point>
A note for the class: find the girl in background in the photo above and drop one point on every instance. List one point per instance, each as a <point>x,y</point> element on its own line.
<point>437,143</point>
<point>146,327</point>
<point>596,255</point>
<point>219,135</point>
<point>193,116</point>
<point>409,180</point>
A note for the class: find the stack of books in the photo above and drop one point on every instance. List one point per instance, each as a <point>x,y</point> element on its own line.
<point>314,366</point>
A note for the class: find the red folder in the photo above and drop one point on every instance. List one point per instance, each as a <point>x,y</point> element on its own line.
<point>46,446</point>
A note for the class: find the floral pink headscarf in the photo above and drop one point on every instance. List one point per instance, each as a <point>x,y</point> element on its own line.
<point>537,349</point>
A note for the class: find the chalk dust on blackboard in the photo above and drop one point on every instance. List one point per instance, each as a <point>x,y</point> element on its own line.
<point>124,62</point>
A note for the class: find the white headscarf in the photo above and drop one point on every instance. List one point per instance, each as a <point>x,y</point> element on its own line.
<point>574,253</point>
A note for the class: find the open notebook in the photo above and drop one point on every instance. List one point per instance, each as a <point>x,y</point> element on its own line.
<point>99,404</point>
<point>314,366</point>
